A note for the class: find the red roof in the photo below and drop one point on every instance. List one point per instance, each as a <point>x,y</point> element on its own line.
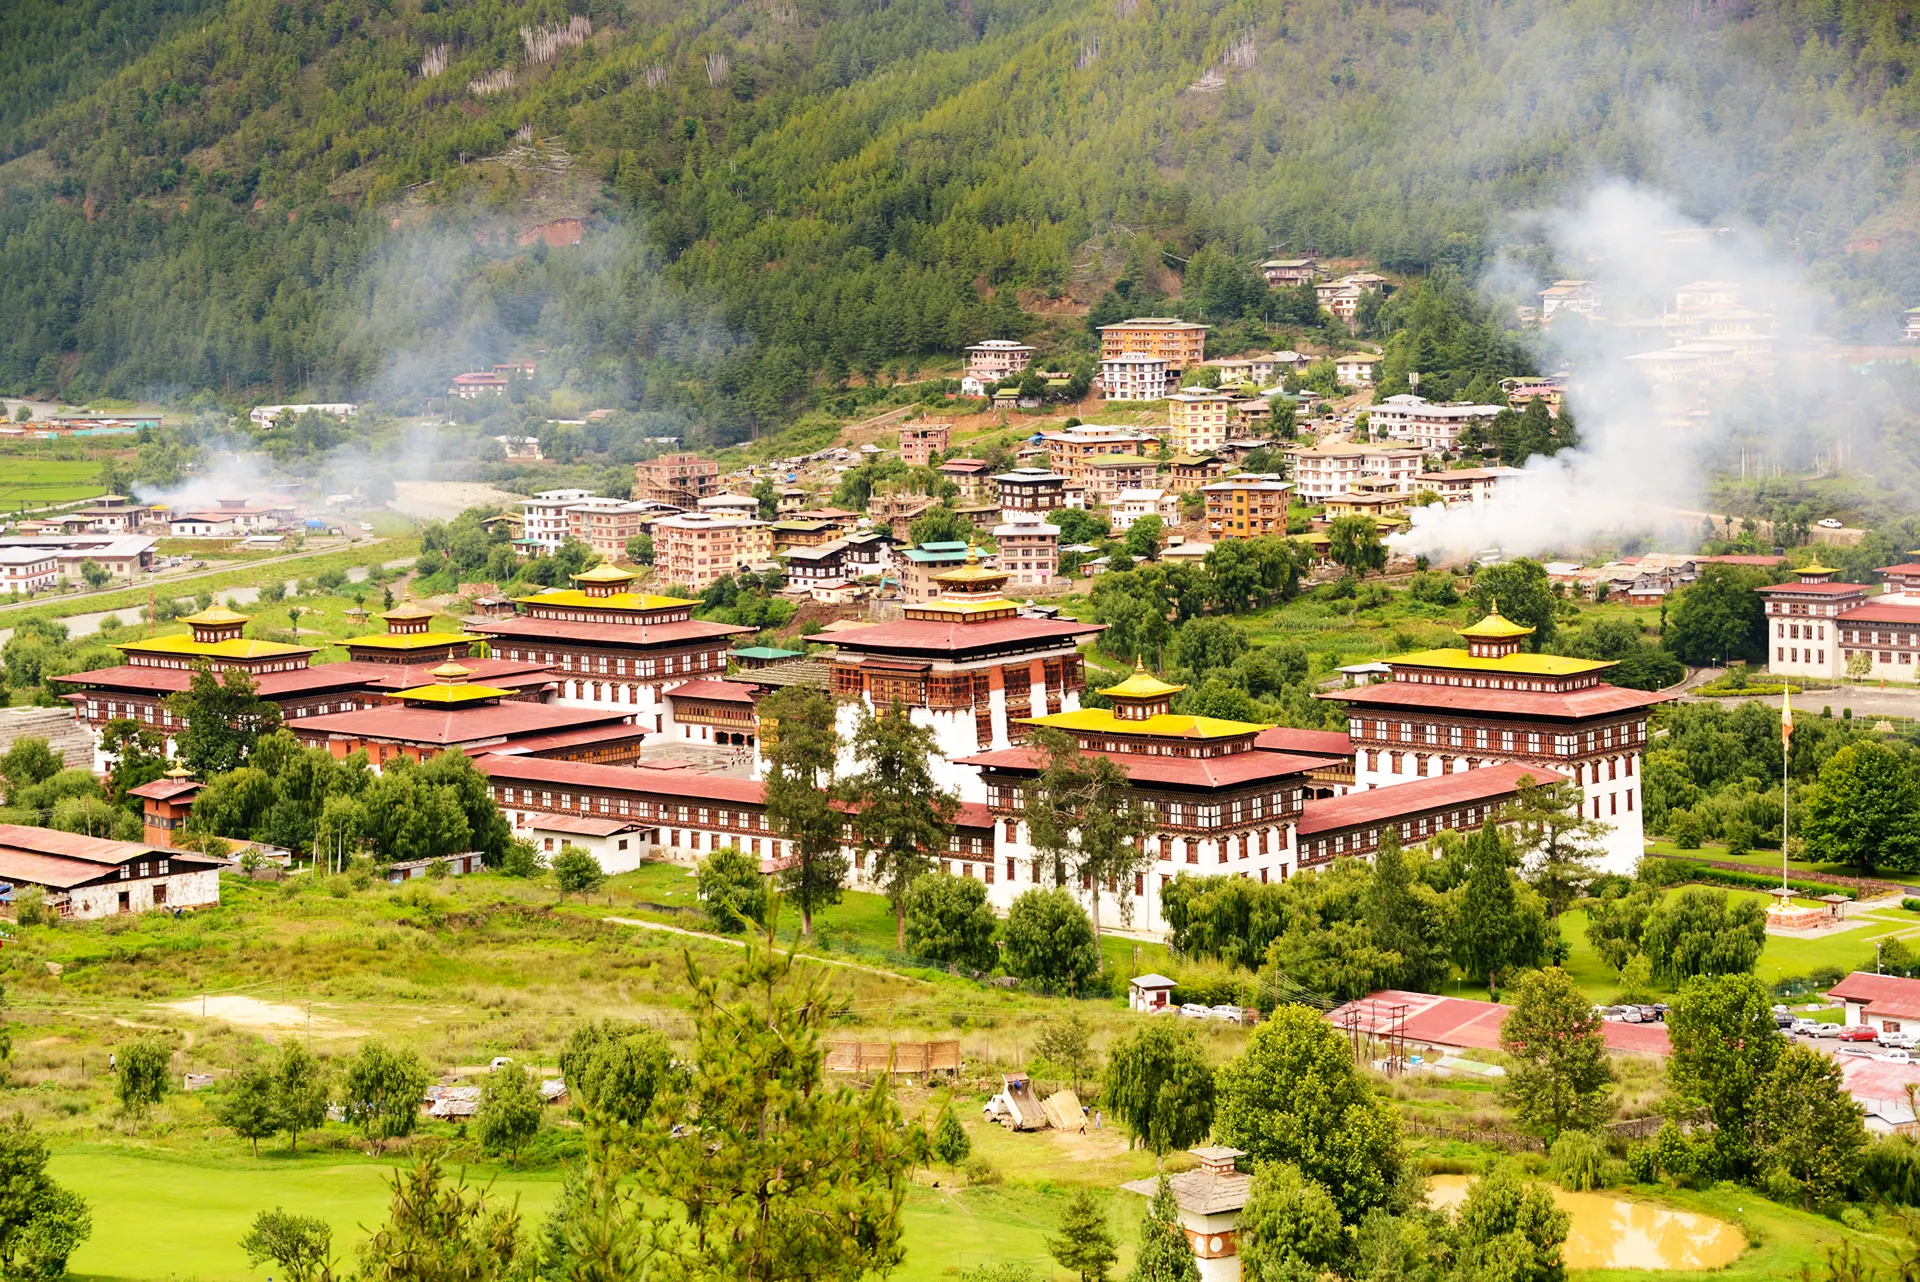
<point>414,723</point>
<point>583,825</point>
<point>1332,743</point>
<point>1464,1024</point>
<point>1813,589</point>
<point>1881,994</point>
<point>1742,559</point>
<point>1878,610</point>
<point>269,685</point>
<point>1906,568</point>
<point>718,691</point>
<point>520,628</point>
<point>971,814</point>
<point>71,845</point>
<point>675,780</point>
<point>165,789</point>
<point>1418,797</point>
<point>928,636</point>
<point>1566,705</point>
<point>1228,771</point>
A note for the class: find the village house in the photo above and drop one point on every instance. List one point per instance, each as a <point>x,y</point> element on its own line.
<point>165,804</point>
<point>919,442</point>
<point>520,449</point>
<point>869,552</point>
<point>1286,273</point>
<point>1368,496</point>
<point>1107,474</point>
<point>617,845</point>
<point>919,564</point>
<point>730,505</point>
<point>808,567</point>
<point>1322,471</point>
<point>1580,297</point>
<point>1342,297</point>
<point>1884,1003</point>
<point>469,387</point>
<point>28,569</point>
<point>679,479</point>
<point>1912,330</point>
<point>1030,489</point>
<point>270,415</point>
<point>1029,552</point>
<point>1069,450</point>
<point>1433,426</point>
<point>1191,471</point>
<point>86,878</point>
<point>1463,487</point>
<point>1198,419</point>
<point>1522,392</point>
<point>1356,368</point>
<point>994,359</point>
<point>1181,343</point>
<point>973,477</point>
<point>1247,506</point>
<point>1137,376</point>
<point>1129,506</point>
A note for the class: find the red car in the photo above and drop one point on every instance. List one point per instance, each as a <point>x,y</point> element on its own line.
<point>1859,1033</point>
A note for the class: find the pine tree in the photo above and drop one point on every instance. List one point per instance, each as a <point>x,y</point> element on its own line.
<point>904,816</point>
<point>247,1106</point>
<point>950,1142</point>
<point>801,751</point>
<point>1085,1245</point>
<point>1164,1254</point>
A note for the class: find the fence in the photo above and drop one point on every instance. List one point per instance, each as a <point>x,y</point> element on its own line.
<point>893,1057</point>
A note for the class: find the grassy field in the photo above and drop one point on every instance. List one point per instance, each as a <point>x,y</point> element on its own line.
<point>1769,861</point>
<point>27,482</point>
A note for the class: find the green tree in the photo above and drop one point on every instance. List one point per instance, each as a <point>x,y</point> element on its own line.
<point>1161,1088</point>
<point>613,1069</point>
<point>41,1224</point>
<point>1561,1077</point>
<point>1865,812</point>
<point>1556,839</point>
<point>246,1106</point>
<point>1520,591</point>
<point>1510,1229</point>
<point>1295,1095</point>
<point>1725,1045</point>
<point>1355,546</point>
<point>299,1091</point>
<point>28,760</point>
<point>1065,1044</point>
<point>1808,1130</point>
<point>301,1245</point>
<point>95,574</point>
<point>731,889</point>
<point>1500,925</point>
<point>509,1113</point>
<point>801,744</point>
<point>577,872</point>
<point>1615,924</point>
<point>1086,822</point>
<point>142,1073</point>
<point>1085,1244</point>
<point>1698,931</point>
<point>222,717</point>
<point>440,1231</point>
<point>903,817</point>
<point>949,920</point>
<point>135,755</point>
<point>1048,939</point>
<point>950,1143</point>
<point>382,1090</point>
<point>1164,1253</point>
<point>1290,1227</point>
<point>640,549</point>
<point>1407,917</point>
<point>1142,541</point>
<point>1719,617</point>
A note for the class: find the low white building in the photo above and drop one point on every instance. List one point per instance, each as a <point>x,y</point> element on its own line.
<point>1322,471</point>
<point>1431,425</point>
<point>1464,487</point>
<point>1137,376</point>
<point>90,877</point>
<point>617,845</point>
<point>28,569</point>
<point>1356,368</point>
<point>1884,1003</point>
<point>1130,505</point>
<point>269,415</point>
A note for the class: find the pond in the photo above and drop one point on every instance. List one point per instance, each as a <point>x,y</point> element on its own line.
<point>1613,1233</point>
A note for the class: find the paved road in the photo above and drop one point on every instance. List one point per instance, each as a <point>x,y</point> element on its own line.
<point>1867,701</point>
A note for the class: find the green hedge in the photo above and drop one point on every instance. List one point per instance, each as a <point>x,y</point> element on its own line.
<point>1665,870</point>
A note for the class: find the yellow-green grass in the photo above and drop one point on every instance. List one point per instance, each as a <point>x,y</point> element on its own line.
<point>1769,861</point>
<point>33,482</point>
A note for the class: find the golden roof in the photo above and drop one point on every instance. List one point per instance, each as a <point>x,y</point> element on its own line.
<point>215,616</point>
<point>461,692</point>
<point>972,571</point>
<point>408,609</point>
<point>1815,569</point>
<point>1142,684</point>
<point>1164,725</point>
<point>1496,627</point>
<point>605,572</point>
<point>617,601</point>
<point>410,640</point>
<point>451,671</point>
<point>236,648</point>
<point>1522,664</point>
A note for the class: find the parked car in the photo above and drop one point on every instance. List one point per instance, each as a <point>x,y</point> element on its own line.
<point>1896,1056</point>
<point>1194,1010</point>
<point>1858,1033</point>
<point>1650,1014</point>
<point>1661,1008</point>
<point>1827,523</point>
<point>1227,1014</point>
<point>1632,1015</point>
<point>1779,1010</point>
<point>1900,1038</point>
<point>1827,1028</point>
<point>1804,1027</point>
<point>1781,1019</point>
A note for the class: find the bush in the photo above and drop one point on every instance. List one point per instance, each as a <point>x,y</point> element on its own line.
<point>731,890</point>
<point>1578,1159</point>
<point>1684,827</point>
<point>1911,904</point>
<point>979,1170</point>
<point>522,859</point>
<point>1740,837</point>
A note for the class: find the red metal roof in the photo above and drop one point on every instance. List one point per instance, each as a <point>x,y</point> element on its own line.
<point>649,635</point>
<point>971,814</point>
<point>1228,771</point>
<point>718,691</point>
<point>1813,589</point>
<point>1566,705</point>
<point>441,726</point>
<point>71,845</point>
<point>1874,610</point>
<point>1331,743</point>
<point>1418,797</point>
<point>676,780</point>
<point>1465,1024</point>
<point>1903,569</point>
<point>928,636</point>
<point>584,825</point>
<point>165,789</point>
<point>1881,994</point>
<point>269,685</point>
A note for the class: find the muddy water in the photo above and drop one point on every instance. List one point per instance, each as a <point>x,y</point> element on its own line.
<point>1613,1233</point>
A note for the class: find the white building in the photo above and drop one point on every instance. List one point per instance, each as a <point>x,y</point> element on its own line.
<point>1322,471</point>
<point>617,845</point>
<point>268,415</point>
<point>1432,425</point>
<point>28,569</point>
<point>1130,505</point>
<point>1464,487</point>
<point>1356,368</point>
<point>1137,376</point>
<point>90,877</point>
<point>546,513</point>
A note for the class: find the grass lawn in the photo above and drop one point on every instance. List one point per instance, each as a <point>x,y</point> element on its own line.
<point>34,482</point>
<point>1769,861</point>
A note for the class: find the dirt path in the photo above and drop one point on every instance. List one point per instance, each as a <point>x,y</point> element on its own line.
<point>252,1013</point>
<point>741,943</point>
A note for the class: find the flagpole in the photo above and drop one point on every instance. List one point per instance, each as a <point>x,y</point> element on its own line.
<point>1786,744</point>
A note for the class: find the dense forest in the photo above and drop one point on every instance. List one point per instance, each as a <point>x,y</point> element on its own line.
<point>259,195</point>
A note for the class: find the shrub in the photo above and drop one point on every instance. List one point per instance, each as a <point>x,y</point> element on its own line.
<point>1684,827</point>
<point>1050,940</point>
<point>731,889</point>
<point>1740,837</point>
<point>1578,1159</point>
<point>979,1170</point>
<point>1911,904</point>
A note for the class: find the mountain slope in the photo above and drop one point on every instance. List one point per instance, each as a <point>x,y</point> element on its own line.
<point>280,198</point>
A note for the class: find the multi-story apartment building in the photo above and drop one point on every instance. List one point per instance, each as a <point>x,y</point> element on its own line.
<point>1433,426</point>
<point>974,476</point>
<point>996,358</point>
<point>549,520</point>
<point>1464,487</point>
<point>607,526</point>
<point>1108,474</point>
<point>1200,419</point>
<point>1182,343</point>
<point>1322,471</point>
<point>1129,506</point>
<point>1031,489</point>
<point>1247,506</point>
<point>1068,451</point>
<point>694,550</point>
<point>1029,552</point>
<point>680,479</point>
<point>919,442</point>
<point>1137,376</point>
<point>1357,368</point>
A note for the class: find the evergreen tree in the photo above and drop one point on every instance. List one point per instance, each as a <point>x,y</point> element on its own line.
<point>1086,822</point>
<point>1557,841</point>
<point>1561,1077</point>
<point>1407,918</point>
<point>440,1231</point>
<point>1085,1245</point>
<point>223,718</point>
<point>299,1091</point>
<point>1164,1254</point>
<point>903,817</point>
<point>246,1106</point>
<point>1499,924</point>
<point>950,1143</point>
<point>802,745</point>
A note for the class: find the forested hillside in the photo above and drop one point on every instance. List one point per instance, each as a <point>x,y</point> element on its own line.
<point>261,195</point>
